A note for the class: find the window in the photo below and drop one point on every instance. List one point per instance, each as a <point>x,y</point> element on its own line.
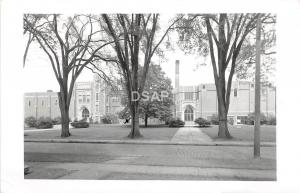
<point>97,108</point>
<point>188,96</point>
<point>242,119</point>
<point>115,99</point>
<point>29,103</point>
<point>97,96</point>
<point>203,87</point>
<point>42,103</point>
<point>235,92</point>
<point>87,98</point>
<point>197,95</point>
<point>84,98</point>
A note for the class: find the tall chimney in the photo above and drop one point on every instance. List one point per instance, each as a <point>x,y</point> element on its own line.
<point>177,75</point>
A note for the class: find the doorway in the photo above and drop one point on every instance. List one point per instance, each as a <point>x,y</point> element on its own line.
<point>189,113</point>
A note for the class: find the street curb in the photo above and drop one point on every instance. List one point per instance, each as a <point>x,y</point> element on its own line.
<point>149,142</point>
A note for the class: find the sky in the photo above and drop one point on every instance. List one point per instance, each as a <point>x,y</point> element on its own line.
<point>39,76</point>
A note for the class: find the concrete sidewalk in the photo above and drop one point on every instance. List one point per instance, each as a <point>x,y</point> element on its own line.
<point>55,127</point>
<point>147,162</point>
<point>152,142</point>
<point>192,135</point>
<point>108,171</point>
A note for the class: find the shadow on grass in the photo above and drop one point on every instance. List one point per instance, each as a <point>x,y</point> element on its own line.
<point>202,126</point>
<point>129,126</point>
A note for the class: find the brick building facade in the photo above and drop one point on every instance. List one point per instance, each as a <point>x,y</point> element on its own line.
<point>191,102</point>
<point>90,100</point>
<point>94,99</point>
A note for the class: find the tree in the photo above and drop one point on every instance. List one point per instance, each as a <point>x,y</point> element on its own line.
<point>71,44</point>
<point>156,83</point>
<point>225,34</point>
<point>33,20</point>
<point>134,38</point>
<point>245,68</point>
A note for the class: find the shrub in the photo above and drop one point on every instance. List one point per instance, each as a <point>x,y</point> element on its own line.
<point>271,120</point>
<point>56,121</point>
<point>106,120</point>
<point>30,121</point>
<point>230,121</point>
<point>214,119</point>
<point>44,123</point>
<point>124,114</point>
<point>176,122</point>
<point>202,122</point>
<point>169,119</point>
<point>251,118</point>
<point>80,124</point>
<point>109,119</point>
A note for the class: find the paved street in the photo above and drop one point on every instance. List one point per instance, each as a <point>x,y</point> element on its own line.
<point>148,162</point>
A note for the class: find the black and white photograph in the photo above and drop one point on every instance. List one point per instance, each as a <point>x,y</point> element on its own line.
<point>149,100</point>
<point>128,119</point>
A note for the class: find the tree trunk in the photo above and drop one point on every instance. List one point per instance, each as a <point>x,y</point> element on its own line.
<point>64,110</point>
<point>223,124</point>
<point>135,129</point>
<point>146,120</point>
<point>65,125</point>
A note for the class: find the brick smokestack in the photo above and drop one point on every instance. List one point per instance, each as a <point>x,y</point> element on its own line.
<point>177,75</point>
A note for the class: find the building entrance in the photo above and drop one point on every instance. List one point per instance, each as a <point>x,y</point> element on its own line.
<point>189,113</point>
<point>85,113</point>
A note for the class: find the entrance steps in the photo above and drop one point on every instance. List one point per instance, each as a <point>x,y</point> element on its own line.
<point>190,124</point>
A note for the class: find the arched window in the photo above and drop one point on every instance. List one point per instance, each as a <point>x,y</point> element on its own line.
<point>189,113</point>
<point>85,113</point>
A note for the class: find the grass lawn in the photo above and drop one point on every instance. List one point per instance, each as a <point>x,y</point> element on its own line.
<point>152,132</point>
<point>244,132</point>
<point>106,131</point>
